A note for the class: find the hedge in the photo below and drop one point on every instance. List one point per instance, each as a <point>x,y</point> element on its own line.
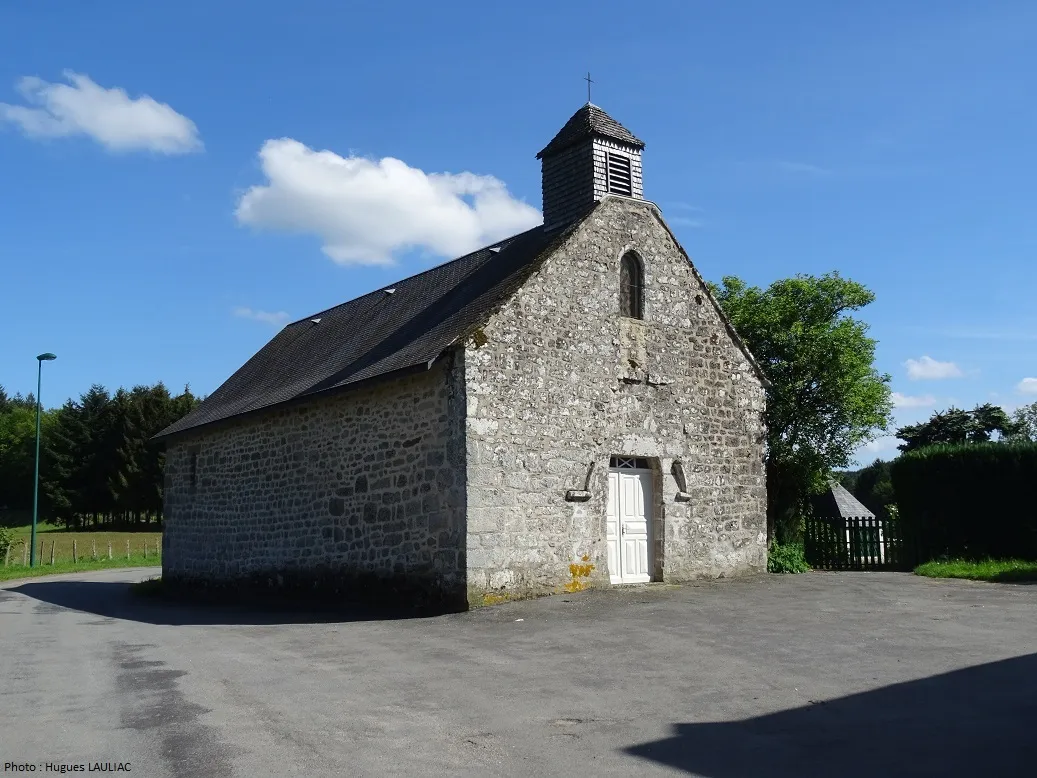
<point>971,500</point>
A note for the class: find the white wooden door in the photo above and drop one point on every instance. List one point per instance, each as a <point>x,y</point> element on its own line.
<point>627,525</point>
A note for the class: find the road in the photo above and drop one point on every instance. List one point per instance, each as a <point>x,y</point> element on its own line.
<point>820,674</point>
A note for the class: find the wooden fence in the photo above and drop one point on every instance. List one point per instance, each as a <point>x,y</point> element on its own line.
<point>856,543</point>
<point>17,553</point>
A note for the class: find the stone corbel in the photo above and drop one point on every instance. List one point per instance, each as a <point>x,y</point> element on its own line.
<point>656,380</point>
<point>584,494</point>
<point>633,373</point>
<point>677,469</point>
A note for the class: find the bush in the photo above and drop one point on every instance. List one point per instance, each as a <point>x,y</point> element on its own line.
<point>786,558</point>
<point>6,539</point>
<point>971,500</point>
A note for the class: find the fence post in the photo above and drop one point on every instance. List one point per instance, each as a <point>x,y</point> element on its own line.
<point>145,548</point>
<point>862,543</point>
<point>876,541</point>
<point>880,534</point>
<point>75,552</point>
<point>7,554</point>
<point>25,554</point>
<point>109,549</point>
<point>52,552</point>
<point>127,550</point>
<point>93,550</point>
<point>40,557</point>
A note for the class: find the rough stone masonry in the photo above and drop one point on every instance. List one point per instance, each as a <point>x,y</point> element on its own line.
<point>558,382</point>
<point>488,473</point>
<point>359,489</point>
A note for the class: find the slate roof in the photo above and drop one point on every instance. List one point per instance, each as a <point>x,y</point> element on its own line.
<point>379,333</point>
<point>837,502</point>
<point>585,123</point>
<point>382,334</point>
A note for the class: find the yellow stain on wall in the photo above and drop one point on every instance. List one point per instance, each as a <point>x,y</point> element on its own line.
<point>580,573</point>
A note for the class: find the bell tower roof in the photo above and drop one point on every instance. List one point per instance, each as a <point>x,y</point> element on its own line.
<point>589,122</point>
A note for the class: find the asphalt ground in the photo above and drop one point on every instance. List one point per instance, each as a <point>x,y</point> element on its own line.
<point>822,674</point>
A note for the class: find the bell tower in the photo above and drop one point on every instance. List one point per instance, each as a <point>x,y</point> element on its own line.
<point>591,156</point>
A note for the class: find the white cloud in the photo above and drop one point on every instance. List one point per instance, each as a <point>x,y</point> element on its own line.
<point>883,447</point>
<point>686,221</point>
<point>277,319</point>
<point>1027,386</point>
<point>908,401</point>
<point>366,210</point>
<point>929,368</point>
<point>109,116</point>
<point>884,443</point>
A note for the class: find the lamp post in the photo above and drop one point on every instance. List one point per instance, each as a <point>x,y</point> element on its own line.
<point>36,479</point>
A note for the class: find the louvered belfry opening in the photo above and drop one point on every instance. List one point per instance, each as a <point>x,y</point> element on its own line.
<point>591,157</point>
<point>619,175</point>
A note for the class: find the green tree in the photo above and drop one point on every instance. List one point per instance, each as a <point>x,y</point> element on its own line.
<point>97,460</point>
<point>957,426</point>
<point>825,397</point>
<point>67,446</point>
<point>1024,421</point>
<point>17,441</point>
<point>56,467</point>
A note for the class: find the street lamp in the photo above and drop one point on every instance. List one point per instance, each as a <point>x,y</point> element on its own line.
<point>36,479</point>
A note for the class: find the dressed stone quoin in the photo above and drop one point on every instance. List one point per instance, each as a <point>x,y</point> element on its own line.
<point>565,408</point>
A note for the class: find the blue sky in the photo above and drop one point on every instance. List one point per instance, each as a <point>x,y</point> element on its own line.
<point>174,176</point>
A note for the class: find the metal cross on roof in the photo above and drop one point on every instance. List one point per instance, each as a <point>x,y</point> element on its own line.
<point>589,82</point>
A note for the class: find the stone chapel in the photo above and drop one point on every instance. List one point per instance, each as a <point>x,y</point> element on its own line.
<point>566,408</point>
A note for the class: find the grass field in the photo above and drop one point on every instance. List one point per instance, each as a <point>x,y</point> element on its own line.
<point>90,550</point>
<point>994,570</point>
<point>18,571</point>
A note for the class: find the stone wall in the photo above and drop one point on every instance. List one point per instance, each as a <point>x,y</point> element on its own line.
<point>557,382</point>
<point>364,488</point>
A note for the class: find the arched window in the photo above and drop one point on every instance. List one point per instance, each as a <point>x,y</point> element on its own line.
<point>631,287</point>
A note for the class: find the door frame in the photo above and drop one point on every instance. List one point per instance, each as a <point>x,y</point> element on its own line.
<point>644,466</point>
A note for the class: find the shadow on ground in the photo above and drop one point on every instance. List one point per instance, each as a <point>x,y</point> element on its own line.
<point>972,722</point>
<point>121,601</point>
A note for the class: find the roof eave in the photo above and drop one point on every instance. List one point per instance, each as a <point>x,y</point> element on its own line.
<point>639,145</point>
<point>420,367</point>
